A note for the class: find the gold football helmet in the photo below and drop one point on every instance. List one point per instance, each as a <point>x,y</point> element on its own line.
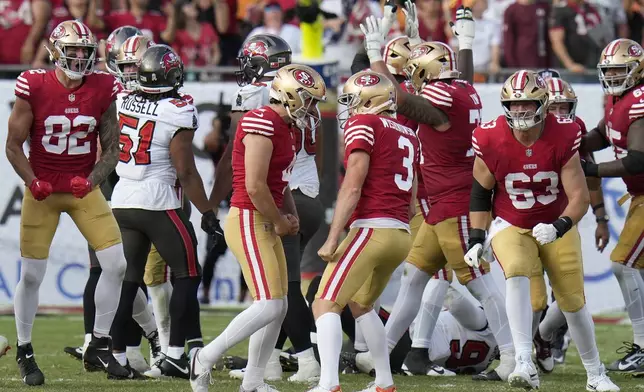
<point>299,88</point>
<point>524,86</point>
<point>396,54</point>
<point>73,49</point>
<point>129,55</point>
<point>620,66</point>
<point>367,92</point>
<point>560,91</point>
<point>430,61</point>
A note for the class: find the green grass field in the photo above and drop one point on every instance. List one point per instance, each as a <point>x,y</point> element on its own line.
<point>63,373</point>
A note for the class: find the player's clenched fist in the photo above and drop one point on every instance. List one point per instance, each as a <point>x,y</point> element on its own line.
<point>40,189</point>
<point>81,187</point>
<point>327,251</point>
<point>284,226</point>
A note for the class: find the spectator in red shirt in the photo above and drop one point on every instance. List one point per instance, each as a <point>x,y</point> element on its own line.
<point>221,14</point>
<point>22,25</point>
<point>431,25</point>
<point>70,9</point>
<point>161,28</point>
<point>525,34</point>
<point>196,42</point>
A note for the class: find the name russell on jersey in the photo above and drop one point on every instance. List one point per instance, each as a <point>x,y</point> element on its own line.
<point>133,103</point>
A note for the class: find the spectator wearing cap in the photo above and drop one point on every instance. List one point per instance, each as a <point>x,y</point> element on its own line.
<point>196,42</point>
<point>274,24</point>
<point>577,35</point>
<point>525,34</point>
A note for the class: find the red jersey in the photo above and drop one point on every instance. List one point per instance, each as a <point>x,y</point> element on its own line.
<point>394,151</point>
<point>196,52</point>
<point>64,131</point>
<point>151,23</point>
<point>619,114</point>
<point>15,23</point>
<point>528,187</point>
<point>265,122</point>
<point>581,124</point>
<point>448,157</point>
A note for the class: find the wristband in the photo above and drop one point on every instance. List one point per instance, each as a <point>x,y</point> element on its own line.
<point>562,225</point>
<point>477,236</point>
<point>465,43</point>
<point>374,55</point>
<point>598,206</point>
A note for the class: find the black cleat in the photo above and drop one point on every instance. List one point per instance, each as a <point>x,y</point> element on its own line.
<point>155,347</point>
<point>559,345</point>
<point>417,363</point>
<point>134,375</point>
<point>545,362</point>
<point>631,362</point>
<point>170,367</point>
<point>289,362</point>
<point>98,356</point>
<point>29,371</point>
<point>232,362</point>
<point>492,375</point>
<point>76,352</point>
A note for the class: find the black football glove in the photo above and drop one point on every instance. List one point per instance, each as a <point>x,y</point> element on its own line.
<point>210,224</point>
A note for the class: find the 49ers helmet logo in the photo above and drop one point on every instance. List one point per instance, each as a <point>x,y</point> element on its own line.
<point>304,78</point>
<point>169,62</point>
<point>540,82</point>
<point>635,51</point>
<point>256,48</point>
<point>419,51</point>
<point>58,33</point>
<point>367,80</point>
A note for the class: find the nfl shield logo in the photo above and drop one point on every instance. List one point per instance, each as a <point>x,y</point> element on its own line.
<point>72,97</point>
<point>528,152</point>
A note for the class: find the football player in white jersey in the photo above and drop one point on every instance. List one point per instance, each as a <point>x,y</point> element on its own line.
<point>260,57</point>
<point>157,128</point>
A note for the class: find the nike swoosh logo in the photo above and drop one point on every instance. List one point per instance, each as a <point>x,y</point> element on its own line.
<point>29,356</point>
<point>349,123</point>
<point>259,114</point>
<point>622,366</point>
<point>182,370</point>
<point>104,364</point>
<point>438,370</point>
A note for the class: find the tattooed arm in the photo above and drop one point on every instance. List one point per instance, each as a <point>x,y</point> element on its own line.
<point>595,139</point>
<point>108,133</point>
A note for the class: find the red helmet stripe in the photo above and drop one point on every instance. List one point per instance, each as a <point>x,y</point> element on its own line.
<point>520,80</point>
<point>82,30</point>
<point>451,58</point>
<point>611,49</point>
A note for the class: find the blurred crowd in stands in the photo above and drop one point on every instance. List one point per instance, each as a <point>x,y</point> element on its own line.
<point>565,34</point>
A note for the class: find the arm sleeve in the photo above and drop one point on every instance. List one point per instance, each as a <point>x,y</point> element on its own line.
<point>358,135</point>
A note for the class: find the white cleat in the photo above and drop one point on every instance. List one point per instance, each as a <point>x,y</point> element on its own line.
<point>200,378</point>
<point>261,388</point>
<point>318,388</point>
<point>364,362</point>
<point>308,368</point>
<point>372,387</point>
<point>601,382</point>
<point>507,366</point>
<point>273,372</point>
<point>136,360</point>
<point>524,375</point>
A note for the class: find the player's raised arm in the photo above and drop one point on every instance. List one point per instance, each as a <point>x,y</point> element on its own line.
<point>463,29</point>
<point>632,164</point>
<point>20,122</point>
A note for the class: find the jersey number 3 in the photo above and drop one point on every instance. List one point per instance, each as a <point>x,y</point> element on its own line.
<point>405,184</point>
<point>144,135</point>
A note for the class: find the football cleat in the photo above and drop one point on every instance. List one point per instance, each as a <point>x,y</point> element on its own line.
<point>372,387</point>
<point>200,377</point>
<point>288,361</point>
<point>155,347</point>
<point>76,352</point>
<point>273,371</point>
<point>417,363</point>
<point>545,362</point>
<point>631,361</point>
<point>30,373</point>
<point>491,375</point>
<point>318,388</point>
<point>136,360</point>
<point>232,362</point>
<point>261,388</point>
<point>170,367</point>
<point>359,361</point>
<point>308,370</point>
<point>524,375</point>
<point>559,344</point>
<point>601,382</point>
<point>98,355</point>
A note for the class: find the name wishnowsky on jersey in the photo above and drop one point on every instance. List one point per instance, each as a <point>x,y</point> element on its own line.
<point>134,103</point>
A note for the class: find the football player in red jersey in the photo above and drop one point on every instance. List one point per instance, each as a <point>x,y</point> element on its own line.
<point>65,112</point>
<point>262,211</point>
<point>529,159</point>
<point>447,110</point>
<point>381,157</point>
<point>620,72</point>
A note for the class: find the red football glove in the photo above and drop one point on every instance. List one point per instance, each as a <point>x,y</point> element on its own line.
<point>81,187</point>
<point>40,189</point>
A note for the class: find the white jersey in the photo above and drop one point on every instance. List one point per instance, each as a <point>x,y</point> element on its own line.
<point>305,172</point>
<point>459,349</point>
<point>147,175</point>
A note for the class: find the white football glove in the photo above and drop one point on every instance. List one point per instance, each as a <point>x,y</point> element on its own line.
<point>411,23</point>
<point>544,233</point>
<point>388,18</point>
<point>463,28</point>
<point>473,256</point>
<point>373,39</point>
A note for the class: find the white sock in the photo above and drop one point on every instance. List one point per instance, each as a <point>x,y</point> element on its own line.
<point>486,291</point>
<point>582,331</point>
<point>121,358</point>
<point>260,348</point>
<point>553,320</point>
<point>430,309</point>
<point>632,286</point>
<point>108,288</point>
<point>467,314</point>
<point>519,311</point>
<point>175,352</point>
<point>374,333</point>
<point>329,333</point>
<point>142,313</point>
<point>25,305</point>
<point>412,285</point>
<point>252,319</point>
<point>160,296</point>
<point>536,318</point>
<point>359,344</point>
